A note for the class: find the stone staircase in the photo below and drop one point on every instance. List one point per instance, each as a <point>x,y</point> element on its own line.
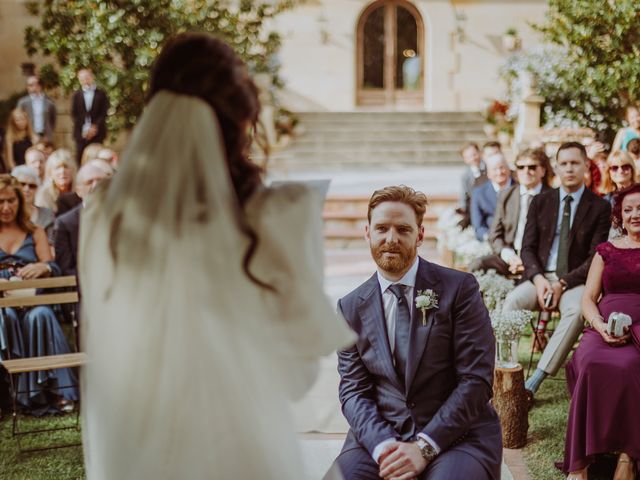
<point>351,139</point>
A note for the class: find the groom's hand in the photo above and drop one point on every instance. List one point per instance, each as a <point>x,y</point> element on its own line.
<point>401,461</point>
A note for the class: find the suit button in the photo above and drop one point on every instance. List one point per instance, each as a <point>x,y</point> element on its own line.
<point>411,405</point>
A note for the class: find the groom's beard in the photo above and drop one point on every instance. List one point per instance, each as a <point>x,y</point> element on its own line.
<point>394,264</point>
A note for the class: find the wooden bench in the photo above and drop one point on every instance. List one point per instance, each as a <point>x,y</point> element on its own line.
<point>15,367</point>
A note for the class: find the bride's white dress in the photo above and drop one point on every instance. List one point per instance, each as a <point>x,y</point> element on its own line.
<point>191,365</point>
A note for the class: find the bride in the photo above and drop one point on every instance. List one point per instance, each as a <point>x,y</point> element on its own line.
<point>204,310</point>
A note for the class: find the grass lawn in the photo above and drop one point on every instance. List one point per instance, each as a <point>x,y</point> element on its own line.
<point>59,464</point>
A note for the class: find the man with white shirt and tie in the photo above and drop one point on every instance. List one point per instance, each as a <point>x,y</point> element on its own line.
<point>564,226</point>
<point>89,109</point>
<point>40,109</point>
<point>534,174</point>
<point>415,388</point>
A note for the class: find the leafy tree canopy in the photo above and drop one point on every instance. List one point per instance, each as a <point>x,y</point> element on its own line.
<point>599,71</point>
<point>119,40</point>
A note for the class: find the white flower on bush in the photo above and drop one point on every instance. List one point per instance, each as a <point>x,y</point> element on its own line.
<point>509,325</point>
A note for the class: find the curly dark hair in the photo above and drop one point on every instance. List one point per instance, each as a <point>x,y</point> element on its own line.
<point>618,197</point>
<point>203,66</point>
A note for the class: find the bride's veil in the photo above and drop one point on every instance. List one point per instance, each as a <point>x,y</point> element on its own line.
<point>177,347</point>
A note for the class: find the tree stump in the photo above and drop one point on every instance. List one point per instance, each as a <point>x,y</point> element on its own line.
<point>510,401</point>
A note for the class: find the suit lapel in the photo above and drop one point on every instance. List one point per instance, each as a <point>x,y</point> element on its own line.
<point>374,324</point>
<point>581,212</point>
<point>513,209</point>
<point>427,278</point>
<point>550,211</point>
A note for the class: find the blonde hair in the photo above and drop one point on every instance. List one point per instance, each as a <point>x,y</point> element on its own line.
<point>22,215</point>
<point>90,152</point>
<point>48,194</point>
<point>625,159</point>
<point>403,194</point>
<point>14,135</point>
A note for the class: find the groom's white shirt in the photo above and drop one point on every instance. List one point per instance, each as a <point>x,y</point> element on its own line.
<point>390,305</point>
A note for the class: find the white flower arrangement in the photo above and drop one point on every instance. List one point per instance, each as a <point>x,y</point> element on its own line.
<point>509,325</point>
<point>426,300</point>
<point>494,288</point>
<point>462,243</point>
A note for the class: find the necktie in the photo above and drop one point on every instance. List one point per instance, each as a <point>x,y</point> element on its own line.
<point>562,265</point>
<point>403,318</point>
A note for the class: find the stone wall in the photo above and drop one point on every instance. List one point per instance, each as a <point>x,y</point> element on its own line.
<point>463,45</point>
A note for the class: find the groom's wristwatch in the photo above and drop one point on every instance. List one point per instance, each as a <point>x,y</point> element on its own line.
<point>426,450</point>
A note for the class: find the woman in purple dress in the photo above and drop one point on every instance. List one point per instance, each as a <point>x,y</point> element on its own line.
<point>604,374</point>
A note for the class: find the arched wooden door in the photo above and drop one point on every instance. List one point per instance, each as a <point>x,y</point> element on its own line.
<point>390,55</point>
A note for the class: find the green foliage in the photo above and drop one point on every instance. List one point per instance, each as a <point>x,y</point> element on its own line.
<point>119,40</point>
<point>599,73</point>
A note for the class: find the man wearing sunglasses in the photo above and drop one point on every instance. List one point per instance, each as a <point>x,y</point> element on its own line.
<point>507,228</point>
<point>564,226</point>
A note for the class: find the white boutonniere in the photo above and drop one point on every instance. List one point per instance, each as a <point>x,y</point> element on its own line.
<point>426,300</point>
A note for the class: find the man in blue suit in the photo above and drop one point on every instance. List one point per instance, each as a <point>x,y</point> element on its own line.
<point>485,197</point>
<point>415,388</point>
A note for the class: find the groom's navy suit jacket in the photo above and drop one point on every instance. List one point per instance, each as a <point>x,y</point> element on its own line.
<point>448,381</point>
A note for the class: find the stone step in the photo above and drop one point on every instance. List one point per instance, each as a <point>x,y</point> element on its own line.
<point>384,116</point>
<point>359,143</point>
<point>345,217</point>
<point>320,159</point>
<point>344,135</point>
<point>331,126</point>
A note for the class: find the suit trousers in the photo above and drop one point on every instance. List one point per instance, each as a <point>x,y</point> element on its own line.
<point>571,324</point>
<point>453,464</point>
<point>490,262</point>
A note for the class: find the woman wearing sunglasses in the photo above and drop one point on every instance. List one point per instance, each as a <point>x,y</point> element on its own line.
<point>619,174</point>
<point>29,183</point>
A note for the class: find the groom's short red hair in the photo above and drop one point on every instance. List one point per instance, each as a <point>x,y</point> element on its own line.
<point>403,194</point>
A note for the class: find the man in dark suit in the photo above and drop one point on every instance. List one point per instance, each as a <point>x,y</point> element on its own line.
<point>89,108</point>
<point>484,197</point>
<point>507,230</point>
<point>68,224</point>
<point>415,388</point>
<point>40,109</point>
<point>564,226</point>
<point>474,174</point>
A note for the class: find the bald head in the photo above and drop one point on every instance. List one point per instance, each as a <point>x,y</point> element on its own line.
<point>90,175</point>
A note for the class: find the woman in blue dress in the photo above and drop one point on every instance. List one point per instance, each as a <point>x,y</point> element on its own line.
<point>626,134</point>
<point>25,254</point>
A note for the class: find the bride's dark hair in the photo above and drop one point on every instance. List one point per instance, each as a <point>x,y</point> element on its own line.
<point>203,66</point>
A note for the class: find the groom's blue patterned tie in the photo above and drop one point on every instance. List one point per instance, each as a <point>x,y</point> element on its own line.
<point>403,319</point>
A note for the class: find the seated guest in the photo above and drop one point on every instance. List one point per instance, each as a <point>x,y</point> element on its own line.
<point>604,374</point>
<point>491,148</point>
<point>619,174</point>
<point>18,138</point>
<point>36,160</point>
<point>109,156</point>
<point>415,387</point>
<point>474,175</point>
<point>626,134</point>
<point>484,197</point>
<point>564,226</point>
<point>90,152</point>
<point>59,174</point>
<point>633,149</point>
<point>25,254</point>
<point>67,225</point>
<point>40,216</point>
<point>505,237</point>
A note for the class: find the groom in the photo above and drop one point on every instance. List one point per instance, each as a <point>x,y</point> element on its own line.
<point>415,388</point>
